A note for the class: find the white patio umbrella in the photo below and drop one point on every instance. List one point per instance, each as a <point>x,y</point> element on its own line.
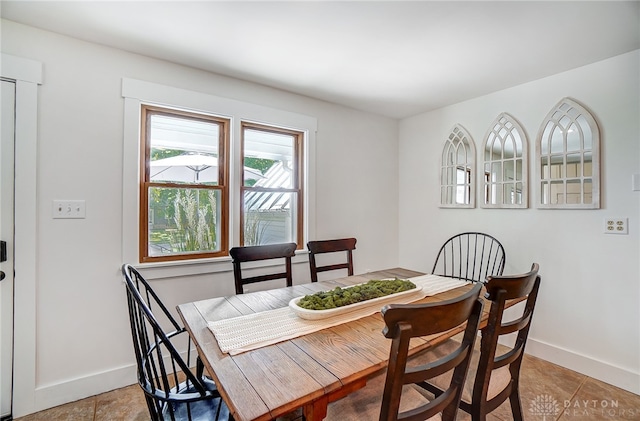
<point>192,168</point>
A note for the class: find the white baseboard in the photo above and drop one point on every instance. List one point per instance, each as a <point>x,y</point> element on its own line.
<point>600,370</point>
<point>48,396</point>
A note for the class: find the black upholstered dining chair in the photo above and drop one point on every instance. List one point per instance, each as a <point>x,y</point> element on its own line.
<point>394,396</point>
<point>495,368</point>
<point>471,256</point>
<point>172,390</point>
<point>246,254</point>
<point>342,245</point>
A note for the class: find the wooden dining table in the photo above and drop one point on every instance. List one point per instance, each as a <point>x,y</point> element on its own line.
<point>307,372</point>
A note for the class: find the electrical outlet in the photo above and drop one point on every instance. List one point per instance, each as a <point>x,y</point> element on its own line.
<point>68,209</point>
<point>616,226</point>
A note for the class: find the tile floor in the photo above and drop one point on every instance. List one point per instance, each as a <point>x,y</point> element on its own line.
<point>548,393</point>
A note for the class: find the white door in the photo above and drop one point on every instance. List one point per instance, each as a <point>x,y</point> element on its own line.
<point>7,91</point>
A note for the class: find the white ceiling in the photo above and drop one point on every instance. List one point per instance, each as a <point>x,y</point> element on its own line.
<point>387,57</point>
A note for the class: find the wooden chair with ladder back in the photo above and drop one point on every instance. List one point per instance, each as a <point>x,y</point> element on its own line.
<point>346,245</point>
<point>396,395</point>
<point>242,255</point>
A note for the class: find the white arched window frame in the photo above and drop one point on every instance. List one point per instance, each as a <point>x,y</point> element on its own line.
<point>505,171</point>
<point>568,158</point>
<point>457,170</point>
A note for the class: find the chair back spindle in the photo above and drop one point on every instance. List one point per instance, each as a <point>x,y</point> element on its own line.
<point>471,256</point>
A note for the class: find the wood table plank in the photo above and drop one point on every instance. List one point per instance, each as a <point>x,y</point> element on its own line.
<point>258,301</point>
<point>392,273</point>
<point>367,334</point>
<point>282,296</point>
<point>321,375</point>
<point>237,303</point>
<point>219,308</point>
<point>342,358</point>
<point>278,378</point>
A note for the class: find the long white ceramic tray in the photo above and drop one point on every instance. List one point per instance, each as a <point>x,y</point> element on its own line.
<point>374,302</point>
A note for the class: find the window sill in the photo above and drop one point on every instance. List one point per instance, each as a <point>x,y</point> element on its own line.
<point>181,268</point>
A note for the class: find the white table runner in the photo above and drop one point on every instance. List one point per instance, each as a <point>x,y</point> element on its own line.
<point>252,331</point>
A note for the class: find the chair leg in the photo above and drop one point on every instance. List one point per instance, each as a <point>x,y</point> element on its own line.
<point>199,367</point>
<point>478,412</point>
<point>476,416</point>
<point>516,407</point>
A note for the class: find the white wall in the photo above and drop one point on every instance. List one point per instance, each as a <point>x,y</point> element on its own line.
<point>587,316</point>
<point>83,343</point>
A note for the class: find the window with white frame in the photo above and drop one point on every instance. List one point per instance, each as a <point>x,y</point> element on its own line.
<point>210,173</point>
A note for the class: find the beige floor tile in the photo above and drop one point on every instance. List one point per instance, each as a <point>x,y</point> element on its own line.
<point>463,416</point>
<point>597,401</point>
<point>82,410</point>
<point>541,381</point>
<point>126,404</point>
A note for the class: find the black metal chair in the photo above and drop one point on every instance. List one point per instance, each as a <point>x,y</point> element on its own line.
<point>471,256</point>
<point>393,396</point>
<point>246,254</point>
<point>172,390</point>
<point>331,246</point>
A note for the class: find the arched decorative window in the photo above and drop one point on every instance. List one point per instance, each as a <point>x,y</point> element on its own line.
<point>505,173</point>
<point>457,172</point>
<point>568,158</point>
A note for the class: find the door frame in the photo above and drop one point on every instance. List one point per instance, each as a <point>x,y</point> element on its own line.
<point>7,140</point>
<point>27,75</point>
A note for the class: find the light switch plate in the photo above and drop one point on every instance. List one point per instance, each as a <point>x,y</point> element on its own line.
<point>68,209</point>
